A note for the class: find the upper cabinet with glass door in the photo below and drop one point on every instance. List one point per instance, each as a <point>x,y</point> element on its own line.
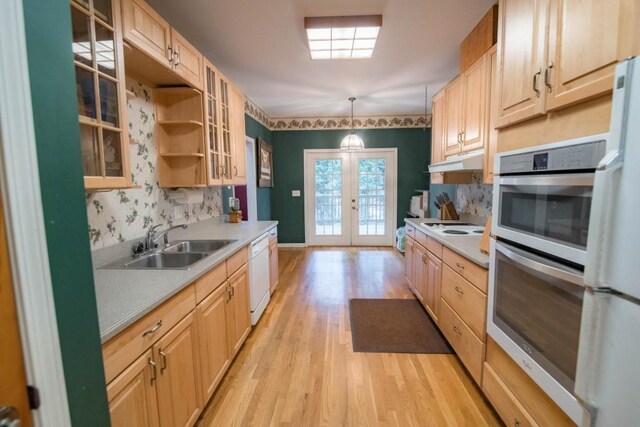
<point>97,53</point>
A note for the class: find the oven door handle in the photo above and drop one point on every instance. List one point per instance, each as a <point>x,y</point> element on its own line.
<point>557,270</point>
<point>573,179</point>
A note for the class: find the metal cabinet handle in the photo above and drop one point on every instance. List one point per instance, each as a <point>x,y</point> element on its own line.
<point>170,51</point>
<point>547,80</point>
<point>462,137</point>
<point>154,372</point>
<point>457,330</point>
<point>177,57</point>
<point>424,259</point>
<point>516,422</point>
<point>228,293</point>
<point>163,366</point>
<point>458,290</point>
<point>235,171</point>
<point>536,76</point>
<point>152,330</point>
<point>459,265</point>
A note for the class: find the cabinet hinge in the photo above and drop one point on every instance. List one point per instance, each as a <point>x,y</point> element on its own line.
<point>34,397</point>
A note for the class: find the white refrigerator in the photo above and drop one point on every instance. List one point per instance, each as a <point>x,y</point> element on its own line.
<point>608,372</point>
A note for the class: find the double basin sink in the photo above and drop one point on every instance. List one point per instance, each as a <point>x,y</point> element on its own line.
<point>178,255</point>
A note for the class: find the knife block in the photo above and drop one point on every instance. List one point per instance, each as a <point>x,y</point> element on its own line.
<point>448,211</point>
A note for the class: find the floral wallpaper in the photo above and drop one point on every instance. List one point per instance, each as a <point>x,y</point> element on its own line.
<point>315,123</point>
<point>121,215</point>
<point>476,198</point>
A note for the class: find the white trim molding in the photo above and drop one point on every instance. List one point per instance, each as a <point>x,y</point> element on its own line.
<point>20,185</point>
<point>335,123</point>
<point>292,245</point>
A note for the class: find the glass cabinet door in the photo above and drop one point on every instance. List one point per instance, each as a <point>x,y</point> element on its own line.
<point>214,148</point>
<point>225,130</point>
<point>97,54</point>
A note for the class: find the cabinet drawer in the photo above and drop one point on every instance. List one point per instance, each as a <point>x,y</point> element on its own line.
<point>120,351</point>
<point>466,300</point>
<point>467,346</point>
<point>467,269</point>
<point>532,398</point>
<point>210,281</point>
<point>421,238</point>
<point>411,232</point>
<point>434,247</point>
<point>236,261</point>
<point>504,402</point>
<point>273,233</point>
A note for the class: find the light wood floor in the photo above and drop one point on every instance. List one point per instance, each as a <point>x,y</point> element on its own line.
<point>298,368</point>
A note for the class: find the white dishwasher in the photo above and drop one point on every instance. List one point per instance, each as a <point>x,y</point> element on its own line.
<point>259,276</point>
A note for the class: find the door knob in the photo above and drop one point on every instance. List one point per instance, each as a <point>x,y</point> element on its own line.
<point>9,417</point>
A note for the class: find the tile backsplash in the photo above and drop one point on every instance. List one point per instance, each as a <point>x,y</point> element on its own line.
<point>476,198</point>
<point>121,215</point>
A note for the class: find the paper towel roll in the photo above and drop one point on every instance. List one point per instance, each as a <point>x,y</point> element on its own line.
<point>184,196</point>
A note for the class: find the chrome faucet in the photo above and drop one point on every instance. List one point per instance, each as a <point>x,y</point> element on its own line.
<point>152,237</point>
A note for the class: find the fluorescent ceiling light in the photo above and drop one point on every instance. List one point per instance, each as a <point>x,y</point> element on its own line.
<point>342,37</point>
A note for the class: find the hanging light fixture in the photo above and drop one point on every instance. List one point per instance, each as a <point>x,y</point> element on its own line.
<point>352,142</point>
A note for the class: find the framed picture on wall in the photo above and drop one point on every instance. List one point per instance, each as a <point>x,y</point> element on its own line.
<point>265,164</point>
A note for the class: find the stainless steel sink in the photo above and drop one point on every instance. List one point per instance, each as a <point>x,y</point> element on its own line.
<point>199,246</point>
<point>178,255</point>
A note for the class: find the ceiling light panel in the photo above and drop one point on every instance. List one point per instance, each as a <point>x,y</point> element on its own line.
<point>342,37</point>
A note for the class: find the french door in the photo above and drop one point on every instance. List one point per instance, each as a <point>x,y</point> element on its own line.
<point>350,198</point>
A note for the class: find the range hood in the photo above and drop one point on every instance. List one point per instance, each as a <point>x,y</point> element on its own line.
<point>466,162</point>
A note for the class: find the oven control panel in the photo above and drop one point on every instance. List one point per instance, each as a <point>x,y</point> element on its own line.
<point>558,159</point>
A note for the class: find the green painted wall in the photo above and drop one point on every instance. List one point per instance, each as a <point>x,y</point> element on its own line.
<point>255,129</point>
<point>48,31</point>
<point>414,146</point>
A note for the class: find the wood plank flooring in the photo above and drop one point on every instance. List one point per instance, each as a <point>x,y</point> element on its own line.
<point>298,368</point>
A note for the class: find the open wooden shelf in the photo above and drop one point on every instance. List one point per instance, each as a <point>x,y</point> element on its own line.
<point>181,154</point>
<point>180,123</point>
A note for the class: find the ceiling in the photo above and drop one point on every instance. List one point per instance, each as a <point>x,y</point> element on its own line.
<point>261,46</point>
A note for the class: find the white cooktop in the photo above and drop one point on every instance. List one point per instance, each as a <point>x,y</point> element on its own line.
<point>454,229</point>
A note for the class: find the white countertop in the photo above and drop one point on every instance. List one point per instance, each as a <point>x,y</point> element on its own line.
<point>124,296</point>
<point>467,246</point>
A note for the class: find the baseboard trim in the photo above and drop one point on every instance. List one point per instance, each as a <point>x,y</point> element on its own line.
<point>292,245</point>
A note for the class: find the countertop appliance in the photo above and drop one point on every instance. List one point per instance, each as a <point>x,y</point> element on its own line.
<point>608,374</point>
<point>543,197</point>
<point>259,276</point>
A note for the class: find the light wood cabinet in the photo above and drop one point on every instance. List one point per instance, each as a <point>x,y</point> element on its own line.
<point>274,274</point>
<point>187,61</point>
<point>467,300</point>
<point>521,45</point>
<point>491,138</point>
<point>212,331</point>
<point>409,247</point>
<point>505,403</point>
<point>438,134</point>
<point>179,401</point>
<point>100,89</point>
<point>556,53</point>
<point>238,137</point>
<point>212,124</point>
<point>238,311</point>
<point>454,97</point>
<point>419,271</point>
<point>147,30</point>
<point>432,286</point>
<point>132,395</point>
<point>474,105</point>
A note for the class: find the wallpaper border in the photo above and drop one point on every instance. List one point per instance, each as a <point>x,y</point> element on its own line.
<point>324,123</point>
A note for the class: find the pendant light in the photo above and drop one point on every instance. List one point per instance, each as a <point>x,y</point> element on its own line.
<point>352,142</point>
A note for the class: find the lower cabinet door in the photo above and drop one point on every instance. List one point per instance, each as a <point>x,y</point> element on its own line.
<point>178,373</point>
<point>419,271</point>
<point>212,331</point>
<point>408,260</point>
<point>132,395</point>
<point>274,274</point>
<point>238,311</point>
<point>433,284</point>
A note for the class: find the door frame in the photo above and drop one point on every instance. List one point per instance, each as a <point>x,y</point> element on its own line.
<point>20,184</point>
<point>393,187</point>
<point>252,192</point>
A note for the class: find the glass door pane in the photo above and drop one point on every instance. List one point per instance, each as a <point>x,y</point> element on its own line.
<point>371,197</point>
<point>328,186</point>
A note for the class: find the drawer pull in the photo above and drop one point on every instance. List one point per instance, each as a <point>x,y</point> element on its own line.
<point>154,372</point>
<point>516,422</point>
<point>152,330</point>
<point>458,290</point>
<point>457,330</point>
<point>163,366</point>
<point>459,265</point>
<point>424,259</point>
